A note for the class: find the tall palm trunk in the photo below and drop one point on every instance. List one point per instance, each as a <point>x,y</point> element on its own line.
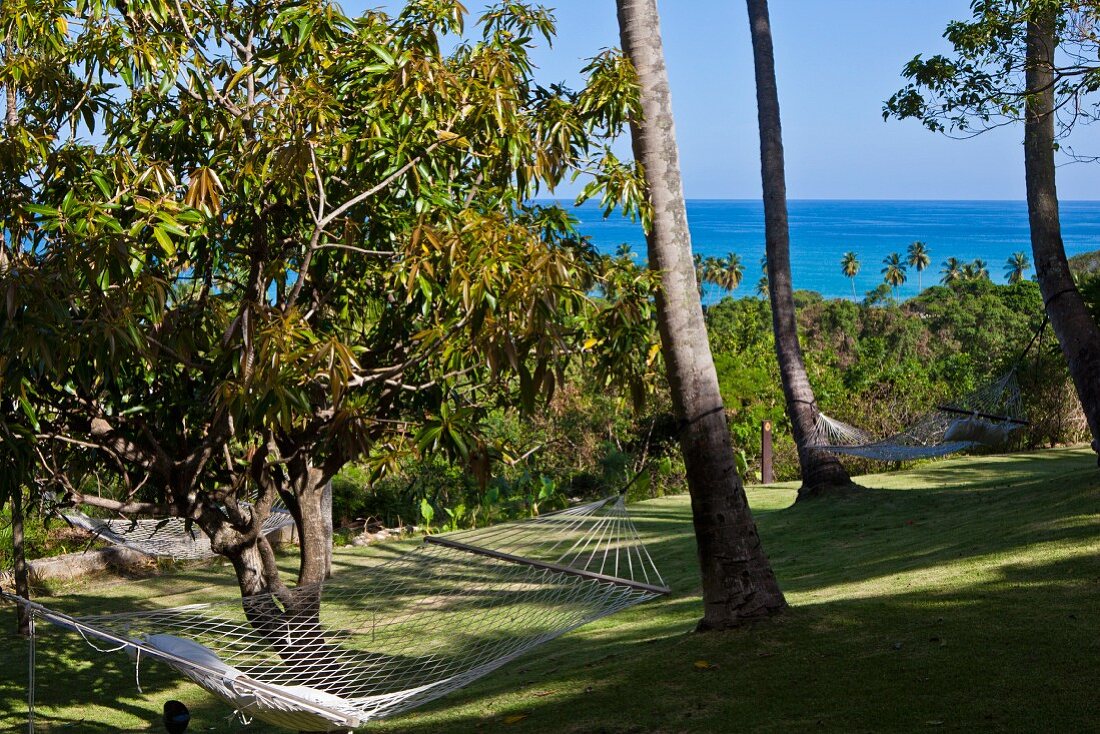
<point>820,470</point>
<point>738,582</point>
<point>1076,331</point>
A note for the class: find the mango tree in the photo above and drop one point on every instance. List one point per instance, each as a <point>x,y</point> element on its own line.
<point>255,242</point>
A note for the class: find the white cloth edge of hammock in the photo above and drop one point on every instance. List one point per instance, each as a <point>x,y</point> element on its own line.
<point>201,673</point>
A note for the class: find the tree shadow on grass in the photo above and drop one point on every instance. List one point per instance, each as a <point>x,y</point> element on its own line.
<point>80,689</point>
<point>1015,653</point>
<point>636,672</point>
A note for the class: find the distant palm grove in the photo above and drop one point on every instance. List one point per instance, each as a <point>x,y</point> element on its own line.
<point>726,273</point>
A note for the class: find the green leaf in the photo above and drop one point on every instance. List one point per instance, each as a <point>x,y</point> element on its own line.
<point>164,240</point>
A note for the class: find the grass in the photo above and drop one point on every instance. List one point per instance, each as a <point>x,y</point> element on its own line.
<point>964,595</point>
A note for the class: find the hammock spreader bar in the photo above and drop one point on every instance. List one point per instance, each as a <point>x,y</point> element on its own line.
<point>557,568</point>
<point>987,416</point>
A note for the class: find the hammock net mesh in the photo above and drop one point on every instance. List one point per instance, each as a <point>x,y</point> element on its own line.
<point>380,640</point>
<point>986,416</point>
<point>167,537</point>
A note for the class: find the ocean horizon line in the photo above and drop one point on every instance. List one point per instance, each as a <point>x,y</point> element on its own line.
<point>848,201</point>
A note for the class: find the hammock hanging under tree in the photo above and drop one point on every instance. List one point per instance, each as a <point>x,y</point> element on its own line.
<point>987,416</point>
<point>170,537</point>
<point>384,639</point>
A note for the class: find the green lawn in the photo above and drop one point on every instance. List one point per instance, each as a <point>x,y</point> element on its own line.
<point>963,595</point>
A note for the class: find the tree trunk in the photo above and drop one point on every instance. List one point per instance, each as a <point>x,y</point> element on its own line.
<point>326,519</point>
<point>738,582</point>
<point>820,469</point>
<point>22,585</point>
<point>290,619</point>
<point>1077,332</point>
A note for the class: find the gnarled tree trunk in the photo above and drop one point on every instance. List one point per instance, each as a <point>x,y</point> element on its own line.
<point>820,469</point>
<point>1077,332</point>
<point>738,582</point>
<point>288,617</point>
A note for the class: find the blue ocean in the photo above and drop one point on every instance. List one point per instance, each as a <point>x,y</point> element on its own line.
<point>822,231</point>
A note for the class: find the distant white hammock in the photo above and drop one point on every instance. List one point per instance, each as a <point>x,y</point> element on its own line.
<point>986,417</point>
<point>170,537</point>
<point>384,639</point>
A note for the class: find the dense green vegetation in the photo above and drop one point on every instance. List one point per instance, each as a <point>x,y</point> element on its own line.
<point>874,364</point>
<point>893,589</point>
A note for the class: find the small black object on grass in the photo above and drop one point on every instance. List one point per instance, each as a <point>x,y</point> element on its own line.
<point>176,717</point>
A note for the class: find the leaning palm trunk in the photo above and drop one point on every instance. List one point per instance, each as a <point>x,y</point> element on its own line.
<point>820,470</point>
<point>1076,330</point>
<point>738,582</point>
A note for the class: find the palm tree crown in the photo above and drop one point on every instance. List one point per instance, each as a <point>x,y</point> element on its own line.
<point>894,271</point>
<point>951,271</point>
<point>917,256</point>
<point>762,287</point>
<point>731,272</point>
<point>849,265</point>
<point>1017,266</point>
<point>979,270</point>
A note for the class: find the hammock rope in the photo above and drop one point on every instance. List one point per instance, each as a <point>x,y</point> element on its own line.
<point>985,417</point>
<point>376,641</point>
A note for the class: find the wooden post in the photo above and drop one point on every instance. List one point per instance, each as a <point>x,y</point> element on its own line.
<point>767,473</point>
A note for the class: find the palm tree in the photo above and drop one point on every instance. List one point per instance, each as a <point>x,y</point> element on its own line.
<point>737,579</point>
<point>821,470</point>
<point>917,256</point>
<point>762,286</point>
<point>849,265</point>
<point>894,272</point>
<point>735,271</point>
<point>730,272</point>
<point>979,270</point>
<point>951,271</point>
<point>1016,267</point>
<point>712,271</point>
<point>700,269</point>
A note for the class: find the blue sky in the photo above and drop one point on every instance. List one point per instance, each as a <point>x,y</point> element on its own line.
<point>837,61</point>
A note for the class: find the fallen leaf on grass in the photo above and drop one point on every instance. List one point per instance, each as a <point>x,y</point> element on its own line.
<point>514,718</point>
<point>541,694</point>
<point>705,665</point>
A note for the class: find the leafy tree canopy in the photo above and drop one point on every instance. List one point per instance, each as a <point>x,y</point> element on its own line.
<point>981,84</point>
<point>251,242</point>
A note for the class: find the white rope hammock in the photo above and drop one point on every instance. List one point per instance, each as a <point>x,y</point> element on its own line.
<point>387,638</point>
<point>164,537</point>
<point>986,417</point>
